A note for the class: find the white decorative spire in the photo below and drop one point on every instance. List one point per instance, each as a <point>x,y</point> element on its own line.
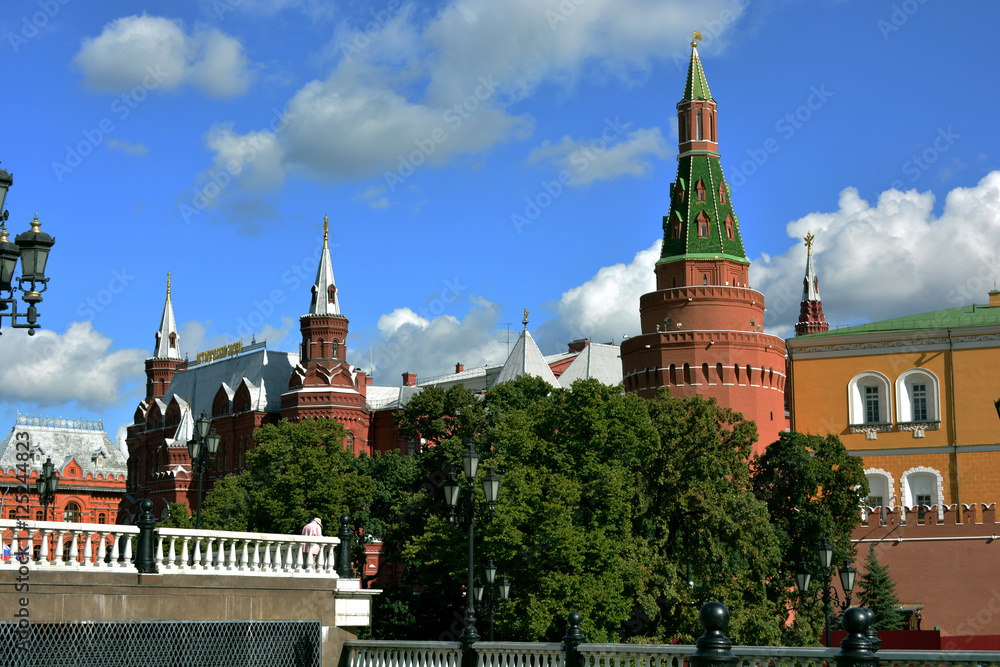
<point>810,284</point>
<point>526,359</point>
<point>167,339</point>
<point>325,300</point>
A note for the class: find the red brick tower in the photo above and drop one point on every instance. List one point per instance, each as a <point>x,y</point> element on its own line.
<point>166,359</point>
<point>323,383</point>
<point>702,327</point>
<point>811,311</point>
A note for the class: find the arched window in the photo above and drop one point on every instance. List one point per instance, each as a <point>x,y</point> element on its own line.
<point>917,397</point>
<point>102,517</point>
<point>922,487</point>
<point>349,442</point>
<point>673,375</point>
<point>682,129</point>
<point>71,513</point>
<point>700,189</point>
<point>881,490</point>
<point>687,374</point>
<point>718,372</point>
<point>702,220</point>
<point>173,340</point>
<point>699,122</point>
<point>704,374</point>
<point>722,193</point>
<point>711,127</point>
<point>331,293</point>
<point>336,349</point>
<point>729,225</point>
<point>868,399</point>
<point>736,373</point>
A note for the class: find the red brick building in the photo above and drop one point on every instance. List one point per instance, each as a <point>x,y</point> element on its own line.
<point>91,470</point>
<point>702,329</point>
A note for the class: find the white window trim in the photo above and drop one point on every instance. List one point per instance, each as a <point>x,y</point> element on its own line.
<point>856,399</point>
<point>939,491</point>
<point>904,413</point>
<point>891,499</point>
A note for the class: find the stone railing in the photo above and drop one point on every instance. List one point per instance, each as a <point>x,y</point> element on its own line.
<point>366,653</point>
<point>108,547</point>
<point>713,649</point>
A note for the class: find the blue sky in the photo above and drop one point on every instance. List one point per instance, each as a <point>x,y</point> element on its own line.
<point>210,138</point>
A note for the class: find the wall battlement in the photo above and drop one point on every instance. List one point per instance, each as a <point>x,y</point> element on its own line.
<point>967,520</point>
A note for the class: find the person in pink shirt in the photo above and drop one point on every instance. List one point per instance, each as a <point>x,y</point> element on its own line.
<point>313,529</point>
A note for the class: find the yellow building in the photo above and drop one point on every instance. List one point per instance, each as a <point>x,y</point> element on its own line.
<point>912,395</point>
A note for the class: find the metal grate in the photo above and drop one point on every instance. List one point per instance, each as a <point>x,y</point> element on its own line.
<point>163,644</point>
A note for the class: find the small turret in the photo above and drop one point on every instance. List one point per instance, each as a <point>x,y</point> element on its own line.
<point>811,310</point>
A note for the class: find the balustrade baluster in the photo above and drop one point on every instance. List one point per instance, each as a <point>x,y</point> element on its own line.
<point>116,551</point>
<point>43,553</point>
<point>171,554</point>
<point>185,554</point>
<point>102,549</point>
<point>231,565</point>
<point>208,554</point>
<point>74,549</point>
<point>87,552</point>
<point>267,556</point>
<point>127,561</point>
<point>197,553</point>
<point>244,556</point>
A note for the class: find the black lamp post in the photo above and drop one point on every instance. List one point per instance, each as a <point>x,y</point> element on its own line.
<point>828,594</point>
<point>486,596</point>
<point>32,247</point>
<point>452,491</point>
<point>202,449</point>
<point>47,483</point>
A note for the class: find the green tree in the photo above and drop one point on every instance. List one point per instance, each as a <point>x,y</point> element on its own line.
<point>813,489</point>
<point>296,471</point>
<point>178,516</point>
<point>710,536</point>
<point>878,593</point>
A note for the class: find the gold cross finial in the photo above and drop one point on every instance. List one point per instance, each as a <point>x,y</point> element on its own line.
<point>525,320</point>
<point>326,232</point>
<point>168,284</point>
<point>809,242</point>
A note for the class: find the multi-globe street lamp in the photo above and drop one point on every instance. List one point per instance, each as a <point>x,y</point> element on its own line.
<point>827,594</point>
<point>487,596</point>
<point>47,483</point>
<point>32,248</point>
<point>202,448</point>
<point>452,491</point>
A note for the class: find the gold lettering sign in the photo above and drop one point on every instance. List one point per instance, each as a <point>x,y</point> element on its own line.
<point>220,352</point>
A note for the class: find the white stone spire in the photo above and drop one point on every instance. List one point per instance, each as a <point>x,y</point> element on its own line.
<point>810,284</point>
<point>325,300</point>
<point>167,339</point>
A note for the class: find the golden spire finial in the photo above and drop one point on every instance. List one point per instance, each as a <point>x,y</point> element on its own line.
<point>35,225</point>
<point>695,38</point>
<point>326,232</point>
<point>525,320</point>
<point>809,242</point>
<point>3,231</point>
<point>168,285</point>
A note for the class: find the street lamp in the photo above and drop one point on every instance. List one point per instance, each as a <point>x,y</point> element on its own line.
<point>828,594</point>
<point>486,596</point>
<point>47,483</point>
<point>32,247</point>
<point>452,491</point>
<point>202,448</point>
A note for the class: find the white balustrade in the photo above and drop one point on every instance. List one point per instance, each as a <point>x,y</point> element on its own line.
<point>366,653</point>
<point>110,548</point>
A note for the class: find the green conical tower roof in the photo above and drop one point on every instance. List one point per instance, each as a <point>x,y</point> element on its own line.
<point>697,84</point>
<point>701,223</point>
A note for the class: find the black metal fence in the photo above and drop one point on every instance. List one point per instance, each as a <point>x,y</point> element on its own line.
<point>162,644</point>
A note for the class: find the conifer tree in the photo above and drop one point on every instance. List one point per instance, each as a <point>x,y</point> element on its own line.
<point>879,593</point>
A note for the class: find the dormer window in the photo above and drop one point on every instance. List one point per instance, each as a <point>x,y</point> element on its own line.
<point>729,226</point>
<point>331,293</point>
<point>701,190</point>
<point>173,340</point>
<point>702,222</point>
<point>722,193</point>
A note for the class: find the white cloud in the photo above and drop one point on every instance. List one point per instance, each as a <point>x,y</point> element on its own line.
<point>896,258</point>
<point>604,308</point>
<point>601,158</point>
<point>155,53</point>
<point>408,91</point>
<point>138,150</point>
<point>443,340</point>
<point>76,366</point>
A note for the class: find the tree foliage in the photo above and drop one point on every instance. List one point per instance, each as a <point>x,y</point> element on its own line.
<point>878,593</point>
<point>813,489</point>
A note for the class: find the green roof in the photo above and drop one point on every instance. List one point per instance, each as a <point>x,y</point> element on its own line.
<point>697,84</point>
<point>949,318</point>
